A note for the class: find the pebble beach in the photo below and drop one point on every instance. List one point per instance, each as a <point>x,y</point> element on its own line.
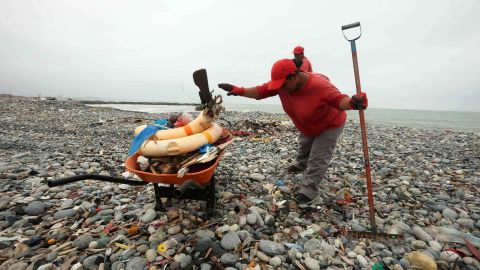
<point>426,187</point>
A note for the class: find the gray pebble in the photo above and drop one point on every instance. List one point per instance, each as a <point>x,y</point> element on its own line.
<point>65,213</point>
<point>35,208</point>
<point>230,241</point>
<point>149,215</point>
<point>136,263</point>
<point>229,258</point>
<point>82,242</point>
<point>271,248</point>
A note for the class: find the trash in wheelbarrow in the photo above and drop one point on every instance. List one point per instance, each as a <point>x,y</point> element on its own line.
<point>183,163</point>
<point>200,173</point>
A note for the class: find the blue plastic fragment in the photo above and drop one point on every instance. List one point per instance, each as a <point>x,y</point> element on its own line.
<point>163,123</point>
<point>205,148</point>
<point>328,231</point>
<point>146,133</point>
<point>280,183</point>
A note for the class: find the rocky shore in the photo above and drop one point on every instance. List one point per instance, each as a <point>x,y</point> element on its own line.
<point>426,187</point>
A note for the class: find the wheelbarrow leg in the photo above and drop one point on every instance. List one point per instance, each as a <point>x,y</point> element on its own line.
<point>171,190</point>
<point>158,199</point>
<point>211,197</point>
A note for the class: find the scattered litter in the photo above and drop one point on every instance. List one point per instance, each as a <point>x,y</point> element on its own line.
<point>122,246</point>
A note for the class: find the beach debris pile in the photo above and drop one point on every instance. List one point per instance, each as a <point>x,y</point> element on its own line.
<point>181,138</point>
<point>182,164</point>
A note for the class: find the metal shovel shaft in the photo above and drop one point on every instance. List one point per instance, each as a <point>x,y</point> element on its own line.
<point>371,208</point>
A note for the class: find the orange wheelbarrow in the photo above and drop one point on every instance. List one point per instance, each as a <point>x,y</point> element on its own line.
<point>198,184</point>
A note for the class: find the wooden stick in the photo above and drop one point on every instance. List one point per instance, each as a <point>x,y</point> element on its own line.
<point>253,252</point>
<point>165,255</point>
<point>203,227</point>
<point>67,251</point>
<point>208,253</point>
<point>189,159</point>
<point>66,265</point>
<point>152,169</point>
<point>299,265</point>
<point>180,250</point>
<point>62,246</point>
<point>242,246</point>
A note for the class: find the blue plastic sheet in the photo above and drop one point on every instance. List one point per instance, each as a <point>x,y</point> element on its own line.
<point>146,133</point>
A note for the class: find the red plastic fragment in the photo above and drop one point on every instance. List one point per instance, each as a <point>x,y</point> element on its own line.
<point>459,253</point>
<point>472,248</point>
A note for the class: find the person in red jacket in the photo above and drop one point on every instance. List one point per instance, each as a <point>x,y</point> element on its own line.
<point>298,53</point>
<point>316,108</point>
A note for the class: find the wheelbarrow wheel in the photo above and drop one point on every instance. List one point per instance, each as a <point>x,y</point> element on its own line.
<point>211,198</point>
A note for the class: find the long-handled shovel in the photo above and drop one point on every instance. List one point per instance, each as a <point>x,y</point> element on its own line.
<point>371,207</point>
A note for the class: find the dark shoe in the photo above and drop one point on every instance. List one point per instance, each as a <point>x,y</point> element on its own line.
<point>294,169</point>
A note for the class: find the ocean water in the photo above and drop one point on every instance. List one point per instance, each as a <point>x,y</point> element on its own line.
<point>442,120</point>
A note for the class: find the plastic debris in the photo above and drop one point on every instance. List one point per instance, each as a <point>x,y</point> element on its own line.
<point>163,123</point>
<point>306,232</point>
<point>122,246</point>
<point>143,163</point>
<point>472,248</point>
<point>293,245</point>
<point>205,148</point>
<point>133,230</point>
<point>161,248</point>
<point>199,158</point>
<point>183,119</point>
<point>377,266</point>
<point>106,230</point>
<point>256,200</point>
<point>144,135</point>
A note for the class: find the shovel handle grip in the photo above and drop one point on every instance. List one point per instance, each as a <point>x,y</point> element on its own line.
<point>352,25</point>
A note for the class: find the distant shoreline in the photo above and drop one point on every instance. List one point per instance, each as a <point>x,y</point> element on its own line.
<point>86,102</point>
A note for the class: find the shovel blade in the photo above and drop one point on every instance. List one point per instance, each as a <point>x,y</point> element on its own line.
<point>201,80</point>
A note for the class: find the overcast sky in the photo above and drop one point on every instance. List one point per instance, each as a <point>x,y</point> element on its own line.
<point>412,54</point>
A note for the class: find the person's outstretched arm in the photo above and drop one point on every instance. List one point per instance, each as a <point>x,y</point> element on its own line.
<point>257,92</point>
<point>250,92</point>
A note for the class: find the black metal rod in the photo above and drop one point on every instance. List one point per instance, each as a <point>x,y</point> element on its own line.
<point>105,178</point>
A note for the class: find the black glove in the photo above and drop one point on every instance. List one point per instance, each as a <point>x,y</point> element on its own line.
<point>232,89</point>
<point>359,101</point>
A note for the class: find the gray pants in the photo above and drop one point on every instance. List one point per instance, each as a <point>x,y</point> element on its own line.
<point>314,154</point>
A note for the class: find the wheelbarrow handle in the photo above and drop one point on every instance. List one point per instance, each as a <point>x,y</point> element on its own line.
<point>352,25</point>
<point>105,178</point>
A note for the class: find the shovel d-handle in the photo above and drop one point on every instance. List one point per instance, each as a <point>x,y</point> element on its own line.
<point>98,177</point>
<point>350,26</point>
